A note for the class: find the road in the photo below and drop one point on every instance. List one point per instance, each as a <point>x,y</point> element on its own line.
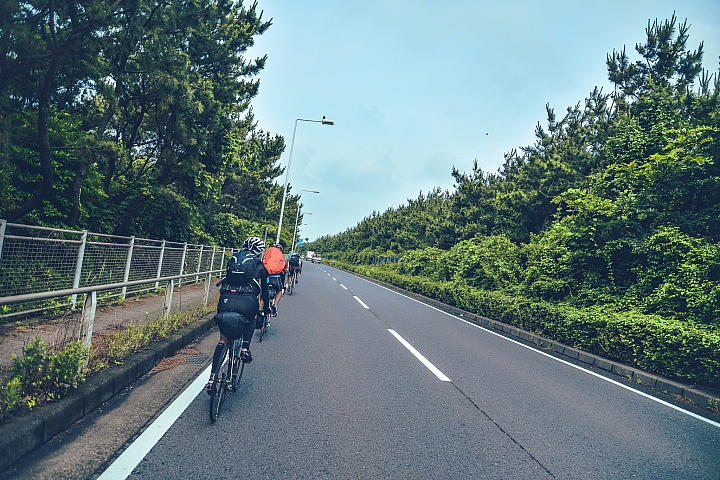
<point>356,381</point>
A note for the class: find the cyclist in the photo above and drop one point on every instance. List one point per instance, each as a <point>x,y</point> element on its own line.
<point>278,281</point>
<point>241,296</point>
<point>295,265</point>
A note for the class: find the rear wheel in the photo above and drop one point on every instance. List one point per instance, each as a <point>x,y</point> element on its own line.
<point>237,370</point>
<point>264,327</point>
<point>237,373</point>
<point>218,389</point>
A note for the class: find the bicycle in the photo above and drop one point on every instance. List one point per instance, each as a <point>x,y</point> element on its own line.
<point>291,283</point>
<point>266,318</point>
<point>227,376</point>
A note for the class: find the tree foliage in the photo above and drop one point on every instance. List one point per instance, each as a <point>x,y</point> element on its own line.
<point>134,118</point>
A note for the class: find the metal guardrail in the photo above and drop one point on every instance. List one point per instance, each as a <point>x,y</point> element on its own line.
<point>47,260</point>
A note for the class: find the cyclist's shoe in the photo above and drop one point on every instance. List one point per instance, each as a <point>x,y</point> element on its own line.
<point>245,355</point>
<point>274,310</point>
<point>209,387</point>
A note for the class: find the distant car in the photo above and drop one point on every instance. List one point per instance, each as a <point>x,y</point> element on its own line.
<point>316,258</point>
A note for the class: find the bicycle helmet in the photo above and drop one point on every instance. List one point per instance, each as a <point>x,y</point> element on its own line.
<point>254,245</point>
<point>278,246</point>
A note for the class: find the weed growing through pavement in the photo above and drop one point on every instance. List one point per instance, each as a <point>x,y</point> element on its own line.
<point>43,373</point>
<point>110,348</point>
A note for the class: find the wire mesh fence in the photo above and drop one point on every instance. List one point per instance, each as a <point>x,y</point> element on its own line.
<point>38,259</point>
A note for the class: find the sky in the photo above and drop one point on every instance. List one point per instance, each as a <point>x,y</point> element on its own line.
<point>416,88</point>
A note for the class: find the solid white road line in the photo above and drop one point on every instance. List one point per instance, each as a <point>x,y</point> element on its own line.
<point>129,459</point>
<point>642,394</point>
<point>420,357</point>
<point>361,302</point>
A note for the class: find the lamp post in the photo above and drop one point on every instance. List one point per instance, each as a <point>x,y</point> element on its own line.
<point>287,172</point>
<point>297,216</point>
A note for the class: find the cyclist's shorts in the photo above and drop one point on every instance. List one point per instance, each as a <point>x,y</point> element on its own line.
<point>276,282</point>
<point>247,305</point>
<point>294,269</point>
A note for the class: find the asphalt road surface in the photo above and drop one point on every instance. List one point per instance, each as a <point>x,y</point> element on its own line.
<point>356,381</point>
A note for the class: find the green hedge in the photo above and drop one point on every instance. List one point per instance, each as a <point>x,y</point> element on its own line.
<point>664,346</point>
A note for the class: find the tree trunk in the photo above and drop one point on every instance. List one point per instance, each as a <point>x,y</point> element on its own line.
<point>43,192</point>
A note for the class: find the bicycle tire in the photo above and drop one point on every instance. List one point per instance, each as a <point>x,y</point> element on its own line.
<point>235,372</point>
<point>263,329</point>
<point>238,376</point>
<point>218,389</point>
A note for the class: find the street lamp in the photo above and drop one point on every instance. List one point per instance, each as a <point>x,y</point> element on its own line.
<point>297,215</point>
<point>324,121</point>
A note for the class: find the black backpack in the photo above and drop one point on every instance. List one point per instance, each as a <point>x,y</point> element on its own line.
<point>241,268</point>
<point>295,260</point>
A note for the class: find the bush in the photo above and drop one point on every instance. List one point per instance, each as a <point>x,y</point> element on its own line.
<point>43,373</point>
<point>680,276</point>
<point>490,263</point>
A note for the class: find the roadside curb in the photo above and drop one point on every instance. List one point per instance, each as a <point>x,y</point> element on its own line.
<point>687,393</point>
<point>20,436</point>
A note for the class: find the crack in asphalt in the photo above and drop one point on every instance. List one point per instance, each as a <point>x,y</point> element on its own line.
<point>472,402</point>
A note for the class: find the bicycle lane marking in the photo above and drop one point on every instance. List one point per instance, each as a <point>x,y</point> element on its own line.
<point>420,357</point>
<point>123,466</point>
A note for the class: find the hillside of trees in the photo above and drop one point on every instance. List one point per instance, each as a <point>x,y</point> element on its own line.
<point>614,209</point>
<point>135,118</point>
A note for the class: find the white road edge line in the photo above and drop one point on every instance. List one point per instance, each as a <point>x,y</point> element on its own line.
<point>420,357</point>
<point>361,302</point>
<point>129,459</point>
<point>343,286</point>
<point>642,394</point>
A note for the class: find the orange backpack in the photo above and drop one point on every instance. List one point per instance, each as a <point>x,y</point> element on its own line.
<point>274,260</point>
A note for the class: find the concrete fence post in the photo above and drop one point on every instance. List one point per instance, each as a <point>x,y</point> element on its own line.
<point>128,262</point>
<point>206,293</point>
<point>167,305</point>
<point>87,321</point>
<point>78,266</point>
